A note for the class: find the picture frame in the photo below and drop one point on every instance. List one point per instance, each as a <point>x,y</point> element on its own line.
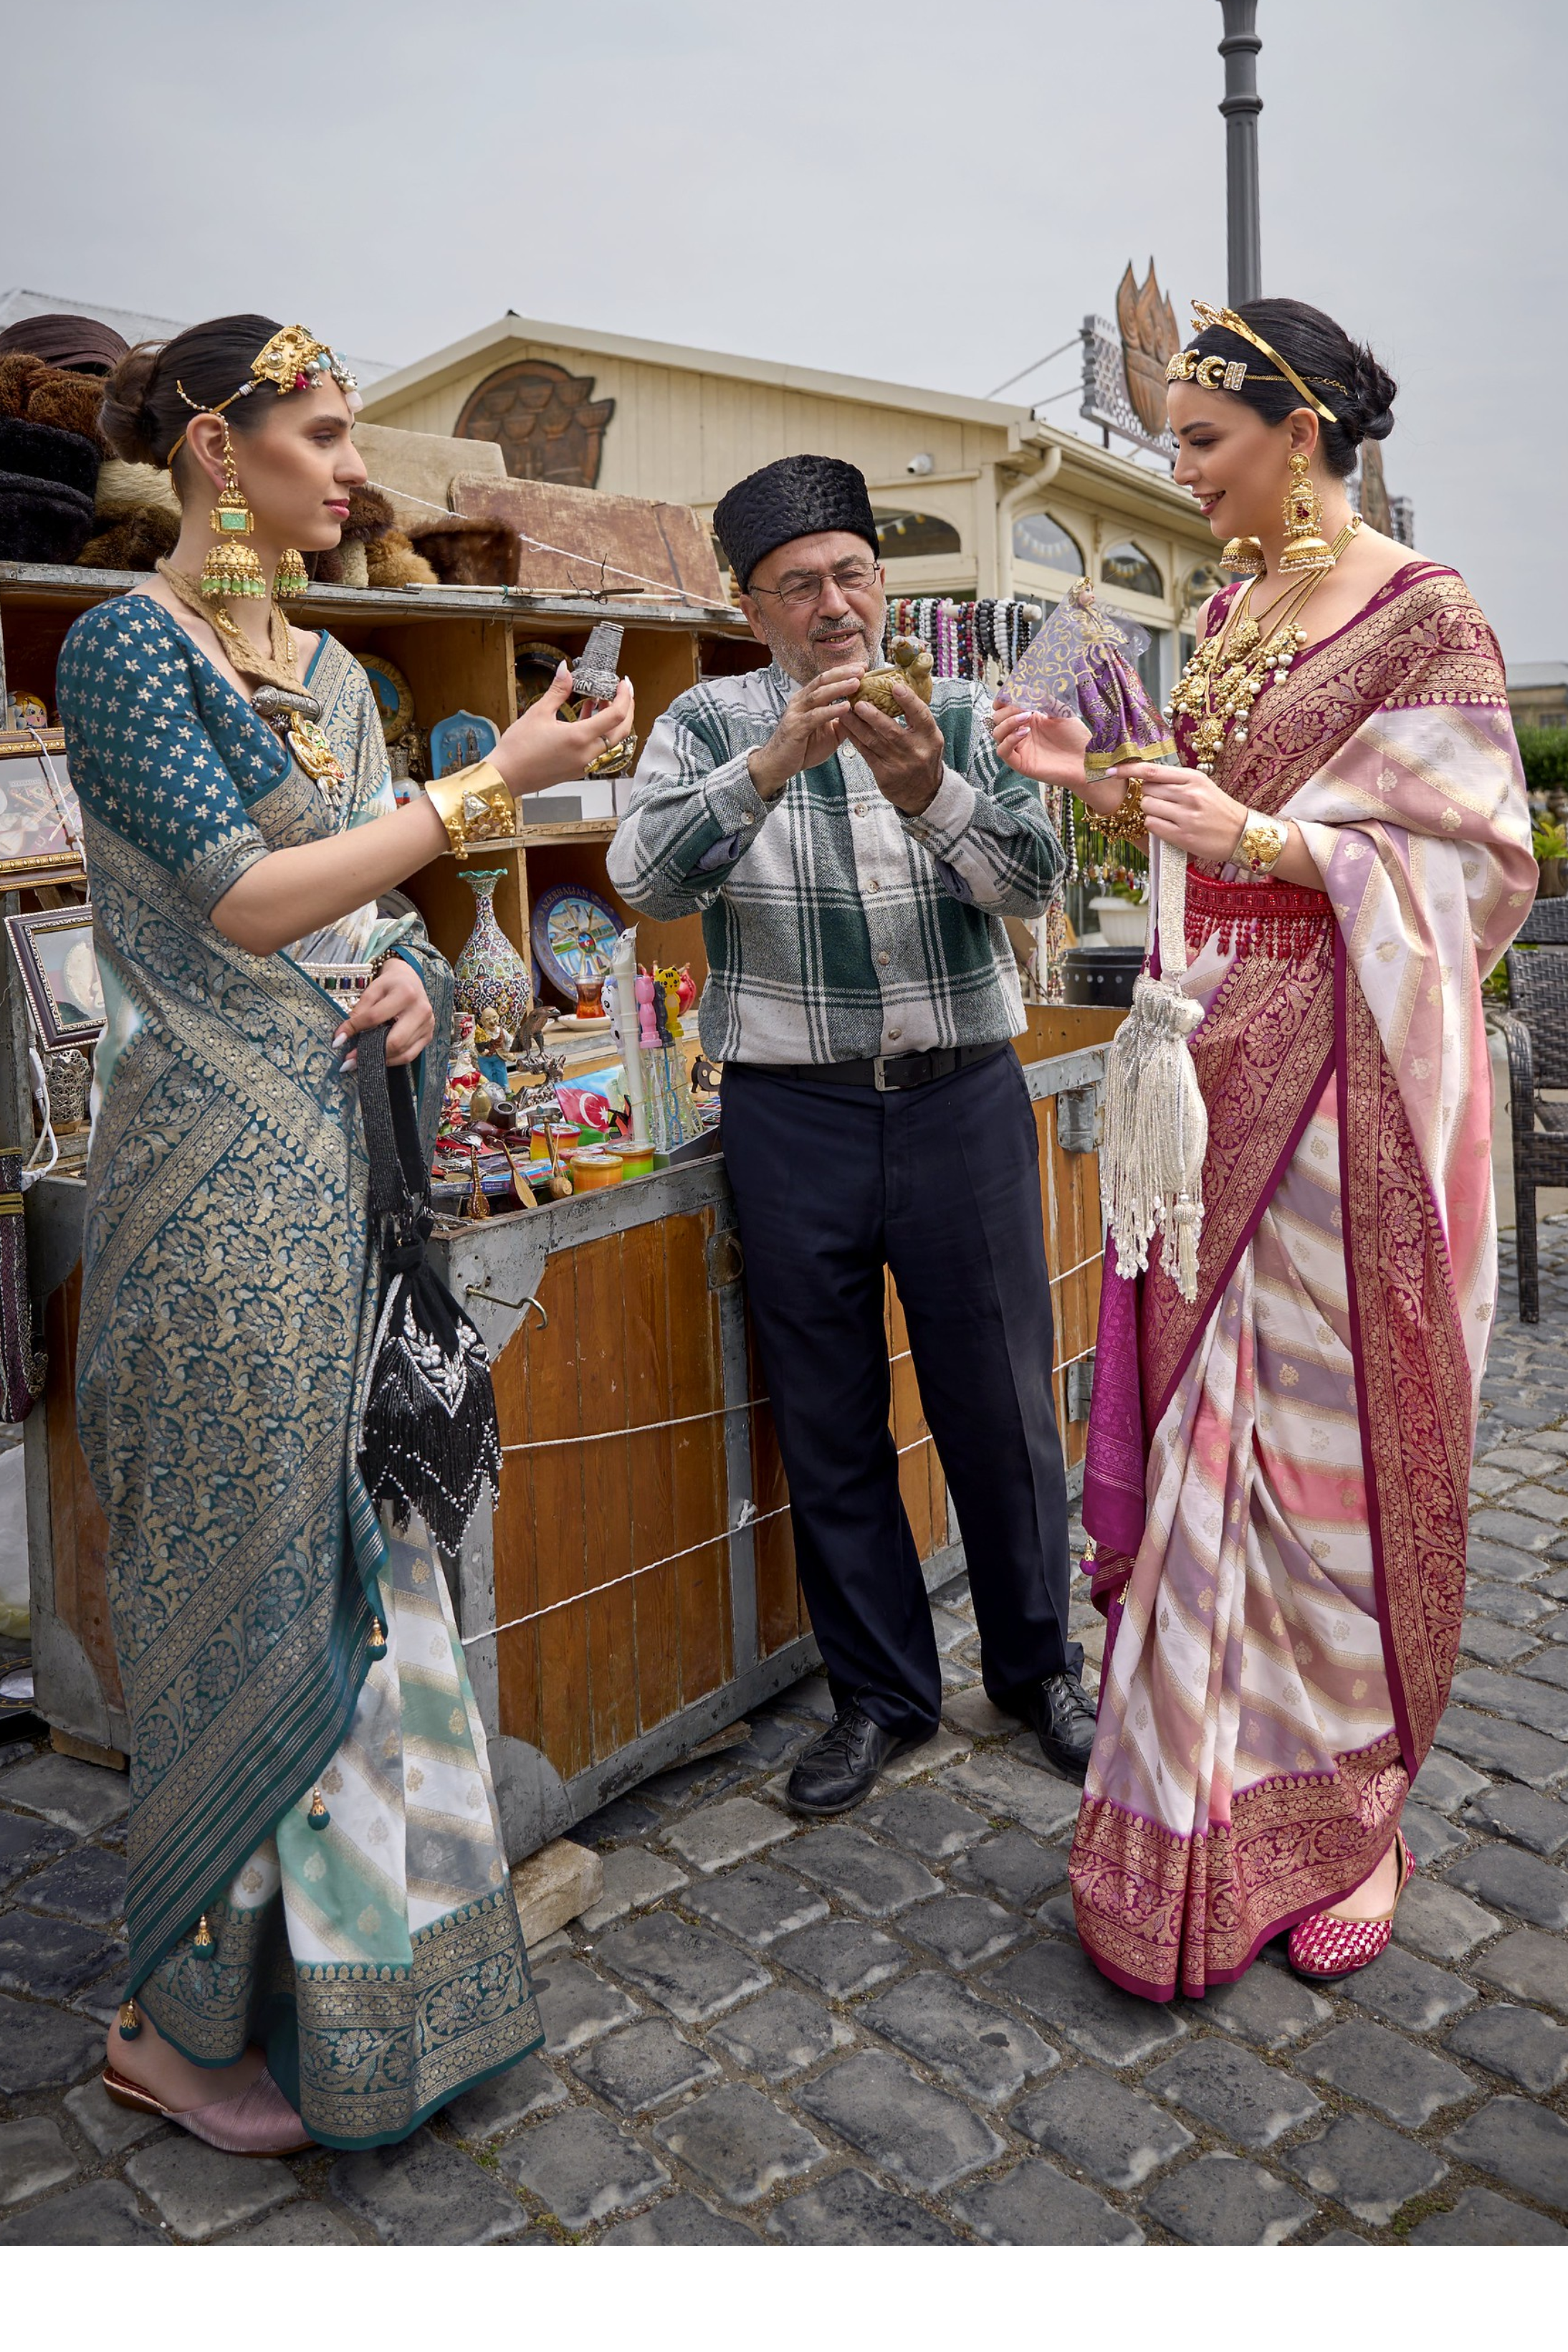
<point>59,964</point>
<point>41,822</point>
<point>394,696</point>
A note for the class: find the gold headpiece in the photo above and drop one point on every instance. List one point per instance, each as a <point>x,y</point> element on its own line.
<point>1217,374</point>
<point>293,361</point>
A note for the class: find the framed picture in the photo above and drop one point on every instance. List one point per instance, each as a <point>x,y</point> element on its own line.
<point>55,956</point>
<point>40,824</point>
<point>574,932</point>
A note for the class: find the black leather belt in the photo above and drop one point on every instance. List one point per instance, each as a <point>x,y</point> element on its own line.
<point>890,1074</point>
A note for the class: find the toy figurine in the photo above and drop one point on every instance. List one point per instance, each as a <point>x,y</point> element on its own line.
<point>649,1004</point>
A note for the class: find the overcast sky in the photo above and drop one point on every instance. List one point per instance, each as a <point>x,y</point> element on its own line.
<point>931,193</point>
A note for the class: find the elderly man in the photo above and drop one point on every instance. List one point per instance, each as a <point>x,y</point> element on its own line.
<point>853,870</point>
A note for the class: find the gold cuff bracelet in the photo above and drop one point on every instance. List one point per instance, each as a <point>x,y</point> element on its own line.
<point>475,805</point>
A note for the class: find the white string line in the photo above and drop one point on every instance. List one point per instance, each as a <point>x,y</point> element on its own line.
<point>748,1515</point>
<point>1033,367</point>
<point>598,564</point>
<point>643,1428</point>
<point>1097,1259</point>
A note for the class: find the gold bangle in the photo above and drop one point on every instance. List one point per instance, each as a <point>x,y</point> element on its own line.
<point>474,804</point>
<point>1262,844</point>
<point>1125,822</point>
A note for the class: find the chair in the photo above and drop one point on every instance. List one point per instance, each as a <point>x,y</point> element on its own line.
<point>1536,1029</point>
<point>1545,925</point>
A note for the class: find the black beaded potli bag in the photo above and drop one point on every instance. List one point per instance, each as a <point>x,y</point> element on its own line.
<point>429,1441</point>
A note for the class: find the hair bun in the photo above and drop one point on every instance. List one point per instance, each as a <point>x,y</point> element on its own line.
<point>1373,392</point>
<point>127,419</point>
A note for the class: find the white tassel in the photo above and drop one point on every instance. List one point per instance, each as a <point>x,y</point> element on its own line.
<point>1155,1122</point>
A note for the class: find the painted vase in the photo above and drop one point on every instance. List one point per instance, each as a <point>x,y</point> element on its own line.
<point>490,973</point>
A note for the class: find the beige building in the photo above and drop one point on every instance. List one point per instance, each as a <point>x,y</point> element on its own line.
<point>974,497</point>
<point>1538,693</point>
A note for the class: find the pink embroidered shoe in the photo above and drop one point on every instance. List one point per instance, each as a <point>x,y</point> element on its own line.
<point>258,2121</point>
<point>1323,1950</point>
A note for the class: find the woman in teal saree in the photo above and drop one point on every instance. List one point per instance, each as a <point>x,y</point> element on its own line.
<point>323,1939</point>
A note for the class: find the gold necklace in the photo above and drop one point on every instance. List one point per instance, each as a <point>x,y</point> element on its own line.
<point>298,718</point>
<point>1232,667</point>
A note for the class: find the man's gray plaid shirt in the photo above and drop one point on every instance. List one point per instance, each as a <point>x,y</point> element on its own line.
<point>836,927</point>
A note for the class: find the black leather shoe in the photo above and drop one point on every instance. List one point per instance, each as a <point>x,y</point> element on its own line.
<point>1061,1714</point>
<point>841,1767</point>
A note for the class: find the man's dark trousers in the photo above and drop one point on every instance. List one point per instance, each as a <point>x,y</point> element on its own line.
<point>941,1183</point>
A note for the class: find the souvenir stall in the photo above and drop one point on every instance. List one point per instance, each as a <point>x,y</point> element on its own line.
<point>635,1589</point>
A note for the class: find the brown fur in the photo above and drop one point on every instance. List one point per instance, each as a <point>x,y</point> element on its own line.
<point>370,514</point>
<point>390,562</point>
<point>72,402</point>
<point>19,372</point>
<point>134,543</point>
<point>469,553</point>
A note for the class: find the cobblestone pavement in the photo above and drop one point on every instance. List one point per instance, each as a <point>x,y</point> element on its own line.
<point>881,2030</point>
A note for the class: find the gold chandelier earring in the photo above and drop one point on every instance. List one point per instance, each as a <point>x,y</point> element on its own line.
<point>230,567</point>
<point>1244,556</point>
<point>1306,550</point>
<point>290,578</point>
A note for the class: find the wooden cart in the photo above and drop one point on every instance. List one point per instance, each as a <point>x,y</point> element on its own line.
<point>635,1590</point>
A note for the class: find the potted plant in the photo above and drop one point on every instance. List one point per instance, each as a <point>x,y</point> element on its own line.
<point>1123,911</point>
<point>1549,839</point>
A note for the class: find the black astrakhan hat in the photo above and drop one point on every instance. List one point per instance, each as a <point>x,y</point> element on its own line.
<point>790,499</point>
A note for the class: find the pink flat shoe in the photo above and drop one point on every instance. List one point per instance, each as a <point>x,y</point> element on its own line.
<point>256,2122</point>
<point>1323,1950</point>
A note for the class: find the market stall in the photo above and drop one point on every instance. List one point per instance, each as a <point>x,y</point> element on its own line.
<point>635,1589</point>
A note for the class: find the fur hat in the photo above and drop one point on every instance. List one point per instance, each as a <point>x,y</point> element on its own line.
<point>134,541</point>
<point>66,340</point>
<point>48,455</point>
<point>344,566</point>
<point>390,562</point>
<point>41,522</point>
<point>127,489</point>
<point>791,498</point>
<point>468,552</point>
<point>51,395</point>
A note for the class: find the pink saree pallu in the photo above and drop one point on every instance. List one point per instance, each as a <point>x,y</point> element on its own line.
<point>1277,1471</point>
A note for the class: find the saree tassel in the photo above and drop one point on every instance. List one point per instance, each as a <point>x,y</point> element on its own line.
<point>202,1938</point>
<point>318,1816</point>
<point>128,2020</point>
<point>378,1641</point>
<point>1155,1130</point>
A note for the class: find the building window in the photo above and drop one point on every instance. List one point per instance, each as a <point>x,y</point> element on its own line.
<point>1126,567</point>
<point>903,534</point>
<point>1204,580</point>
<point>1039,539</point>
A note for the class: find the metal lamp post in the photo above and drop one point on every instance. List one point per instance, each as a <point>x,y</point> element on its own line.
<point>1241,106</point>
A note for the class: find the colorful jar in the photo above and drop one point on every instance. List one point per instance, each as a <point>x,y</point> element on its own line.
<point>489,973</point>
<point>590,1171</point>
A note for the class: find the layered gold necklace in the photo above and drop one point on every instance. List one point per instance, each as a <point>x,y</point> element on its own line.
<point>287,708</point>
<point>1231,667</point>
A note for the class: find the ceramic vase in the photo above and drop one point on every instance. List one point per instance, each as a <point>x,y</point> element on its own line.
<point>489,971</point>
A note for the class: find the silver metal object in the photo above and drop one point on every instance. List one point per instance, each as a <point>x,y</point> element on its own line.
<point>1076,1118</point>
<point>595,675</point>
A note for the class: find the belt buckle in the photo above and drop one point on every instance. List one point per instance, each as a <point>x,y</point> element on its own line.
<point>879,1074</point>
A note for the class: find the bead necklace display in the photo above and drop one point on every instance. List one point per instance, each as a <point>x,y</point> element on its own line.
<point>1237,661</point>
<point>966,634</point>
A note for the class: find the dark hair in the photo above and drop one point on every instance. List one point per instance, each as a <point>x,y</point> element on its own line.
<point>1342,373</point>
<point>143,416</point>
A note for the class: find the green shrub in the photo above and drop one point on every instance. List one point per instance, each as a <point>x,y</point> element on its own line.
<point>1544,752</point>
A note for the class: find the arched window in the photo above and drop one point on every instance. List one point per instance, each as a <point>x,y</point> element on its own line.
<point>1204,581</point>
<point>1039,539</point>
<point>1126,567</point>
<point>902,533</point>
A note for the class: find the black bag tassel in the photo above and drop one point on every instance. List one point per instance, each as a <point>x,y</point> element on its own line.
<point>430,1441</point>
<point>21,1364</point>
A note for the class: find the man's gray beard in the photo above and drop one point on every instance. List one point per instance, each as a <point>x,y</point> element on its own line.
<point>796,663</point>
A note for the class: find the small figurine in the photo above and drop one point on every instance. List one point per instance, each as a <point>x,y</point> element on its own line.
<point>648,1002</point>
<point>911,665</point>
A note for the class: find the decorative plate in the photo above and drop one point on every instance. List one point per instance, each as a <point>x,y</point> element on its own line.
<point>461,742</point>
<point>394,696</point>
<point>574,932</point>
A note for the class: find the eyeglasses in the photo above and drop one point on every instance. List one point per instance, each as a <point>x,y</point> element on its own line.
<point>797,590</point>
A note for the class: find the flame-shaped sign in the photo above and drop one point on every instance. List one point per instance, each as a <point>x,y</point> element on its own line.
<point>1149,336</point>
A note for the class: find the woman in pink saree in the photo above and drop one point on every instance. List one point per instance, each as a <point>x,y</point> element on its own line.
<point>1278,1465</point>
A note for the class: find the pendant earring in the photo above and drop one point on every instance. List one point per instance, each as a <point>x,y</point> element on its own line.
<point>1244,556</point>
<point>230,567</point>
<point>290,578</point>
<point>1306,550</point>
